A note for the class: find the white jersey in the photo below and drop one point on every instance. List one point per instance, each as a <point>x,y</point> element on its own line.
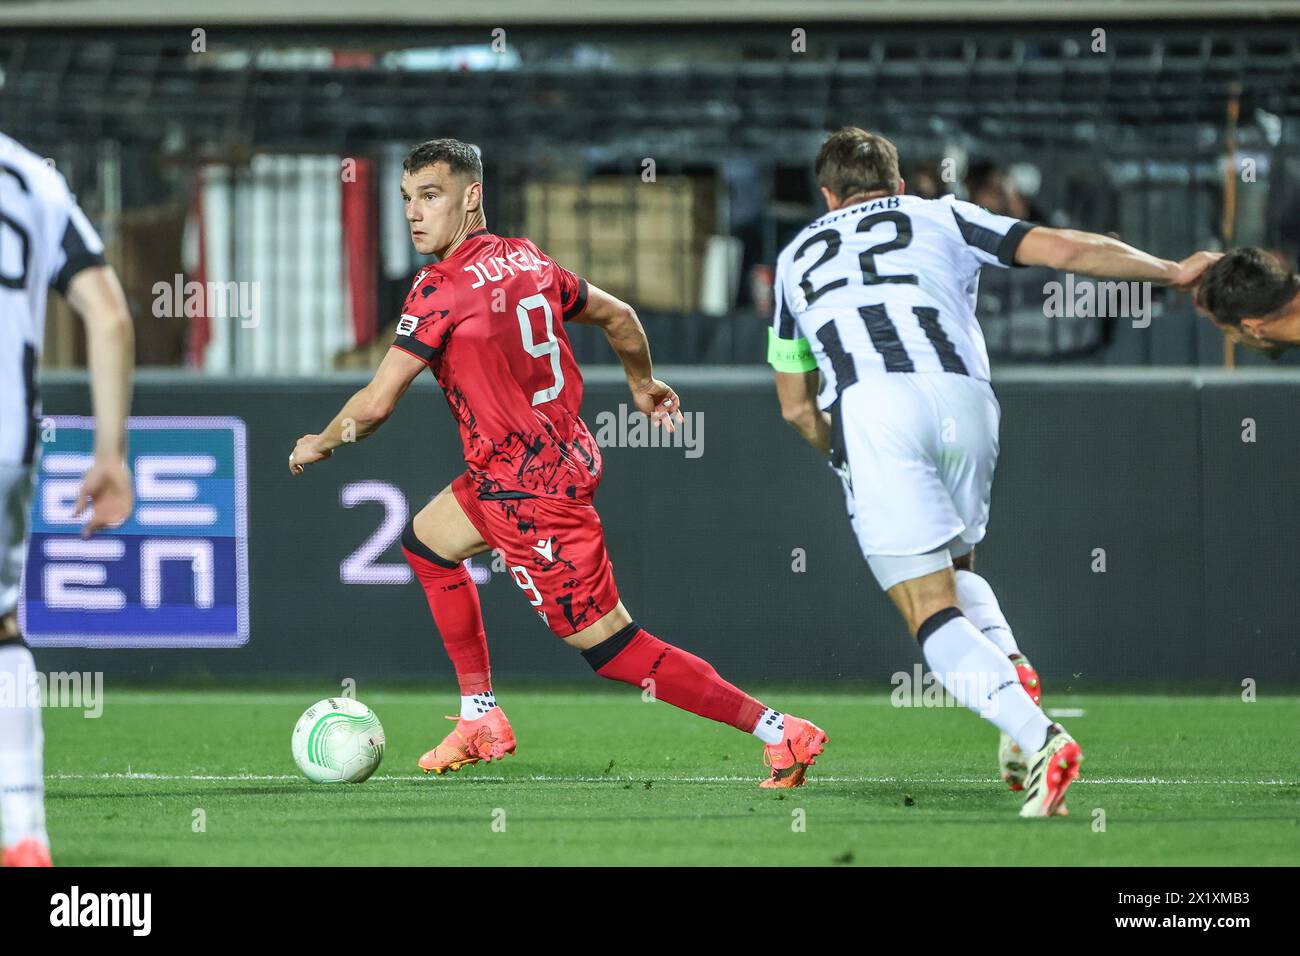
<point>887,285</point>
<point>45,240</point>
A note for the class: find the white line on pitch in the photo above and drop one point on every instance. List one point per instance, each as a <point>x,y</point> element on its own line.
<point>650,775</point>
<point>430,699</point>
<point>881,697</point>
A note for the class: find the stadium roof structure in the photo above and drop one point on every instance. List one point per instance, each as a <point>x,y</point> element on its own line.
<point>327,89</point>
<point>149,13</point>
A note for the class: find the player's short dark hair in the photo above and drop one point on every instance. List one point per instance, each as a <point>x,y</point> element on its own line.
<point>460,157</point>
<point>853,161</point>
<point>1244,284</point>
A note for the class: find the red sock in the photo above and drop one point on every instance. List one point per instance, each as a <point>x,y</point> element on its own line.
<point>680,678</point>
<point>453,599</point>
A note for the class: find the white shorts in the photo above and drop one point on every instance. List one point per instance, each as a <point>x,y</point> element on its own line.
<point>920,450</point>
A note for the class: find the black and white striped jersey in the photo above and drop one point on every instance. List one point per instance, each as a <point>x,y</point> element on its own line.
<point>887,285</point>
<point>45,240</point>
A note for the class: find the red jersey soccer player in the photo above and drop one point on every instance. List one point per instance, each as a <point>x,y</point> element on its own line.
<point>488,319</point>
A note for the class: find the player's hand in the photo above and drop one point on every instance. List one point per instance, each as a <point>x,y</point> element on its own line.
<point>659,403</point>
<point>106,490</point>
<point>306,453</point>
<point>1192,268</point>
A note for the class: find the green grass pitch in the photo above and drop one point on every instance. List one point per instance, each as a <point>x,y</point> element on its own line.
<point>603,778</point>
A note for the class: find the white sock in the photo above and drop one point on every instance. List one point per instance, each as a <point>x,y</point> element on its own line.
<point>22,776</point>
<point>474,706</point>
<point>770,727</point>
<point>980,605</point>
<point>977,673</point>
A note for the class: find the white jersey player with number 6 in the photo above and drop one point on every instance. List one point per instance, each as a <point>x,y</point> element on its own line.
<point>881,364</point>
<point>46,241</point>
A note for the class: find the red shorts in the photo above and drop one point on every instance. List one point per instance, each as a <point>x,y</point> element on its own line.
<point>554,549</point>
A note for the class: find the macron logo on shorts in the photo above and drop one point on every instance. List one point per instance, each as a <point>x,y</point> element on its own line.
<point>406,324</point>
<point>544,549</point>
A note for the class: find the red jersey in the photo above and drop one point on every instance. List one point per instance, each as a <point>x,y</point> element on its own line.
<point>489,321</point>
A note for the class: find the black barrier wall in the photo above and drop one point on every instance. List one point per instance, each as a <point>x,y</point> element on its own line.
<point>1182,483</point>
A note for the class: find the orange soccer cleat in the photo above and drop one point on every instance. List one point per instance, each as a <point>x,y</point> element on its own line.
<point>796,752</point>
<point>1028,677</point>
<point>489,738</point>
<point>29,852</point>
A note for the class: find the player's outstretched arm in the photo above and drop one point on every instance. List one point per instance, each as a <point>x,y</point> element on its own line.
<point>627,338</point>
<point>797,392</point>
<point>96,295</point>
<point>363,413</point>
<point>1104,257</point>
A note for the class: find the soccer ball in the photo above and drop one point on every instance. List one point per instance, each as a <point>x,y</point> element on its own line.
<point>338,740</point>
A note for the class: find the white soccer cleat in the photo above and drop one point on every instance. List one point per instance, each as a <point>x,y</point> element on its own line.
<point>1051,771</point>
<point>1011,761</point>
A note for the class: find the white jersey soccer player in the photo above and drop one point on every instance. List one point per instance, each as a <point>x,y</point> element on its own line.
<point>888,286</point>
<point>46,240</point>
<point>881,364</point>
